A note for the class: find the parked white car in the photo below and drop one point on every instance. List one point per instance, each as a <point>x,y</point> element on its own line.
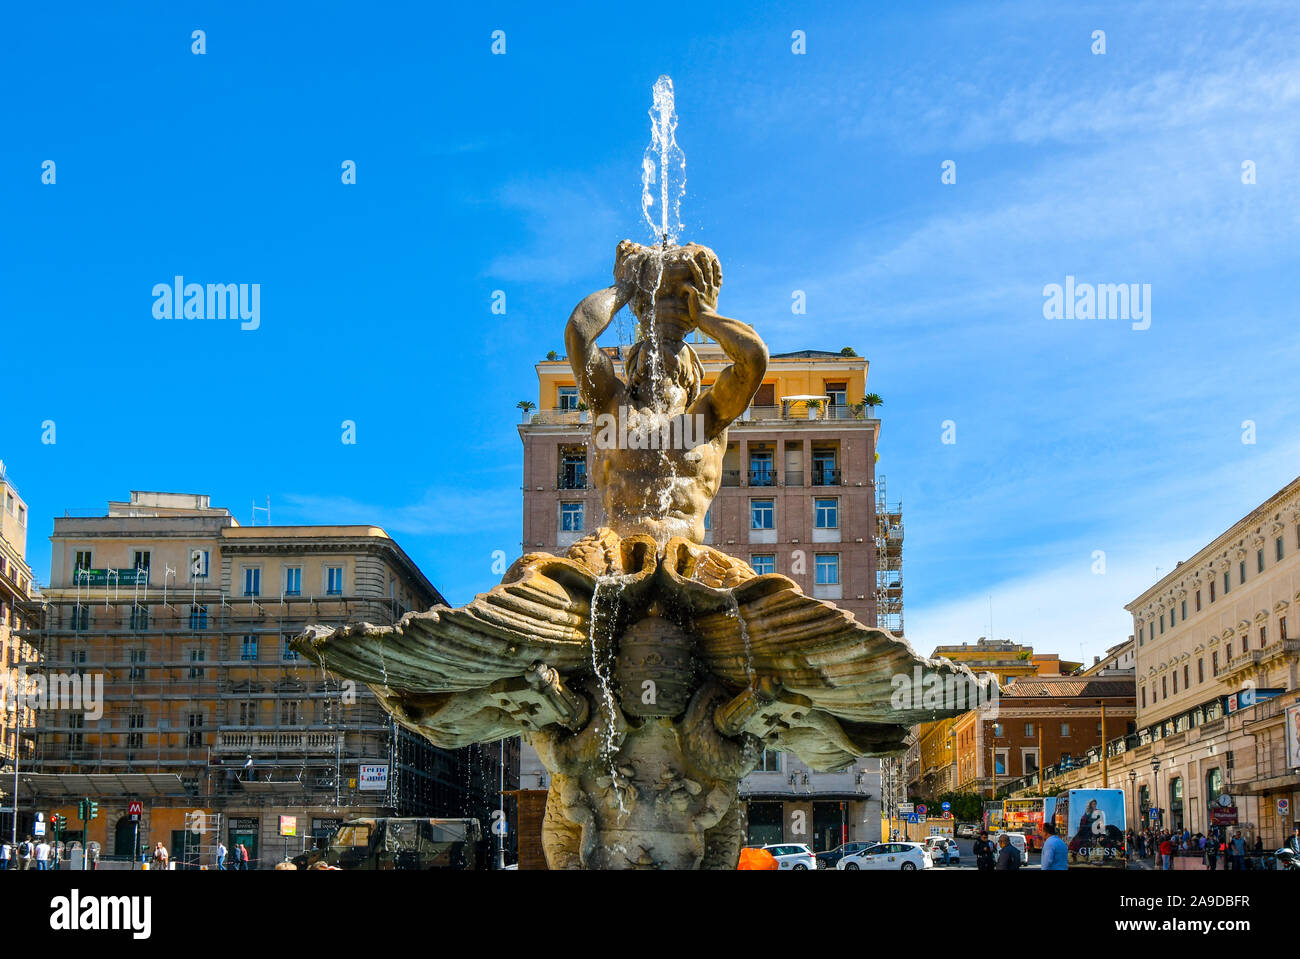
<point>906,856</point>
<point>943,850</point>
<point>967,830</point>
<point>792,855</point>
<point>1017,839</point>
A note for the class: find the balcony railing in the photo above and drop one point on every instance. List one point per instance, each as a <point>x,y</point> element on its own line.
<point>765,477</point>
<point>731,477</point>
<point>825,477</point>
<point>571,480</point>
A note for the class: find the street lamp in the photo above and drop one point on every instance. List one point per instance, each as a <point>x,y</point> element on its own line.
<point>1155,791</point>
<point>1132,794</point>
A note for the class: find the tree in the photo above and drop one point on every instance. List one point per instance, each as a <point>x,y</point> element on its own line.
<point>848,351</point>
<point>552,355</point>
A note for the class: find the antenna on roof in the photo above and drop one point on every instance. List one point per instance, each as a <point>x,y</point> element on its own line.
<point>264,509</point>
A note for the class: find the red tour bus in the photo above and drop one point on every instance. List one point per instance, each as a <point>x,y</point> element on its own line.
<point>1027,816</point>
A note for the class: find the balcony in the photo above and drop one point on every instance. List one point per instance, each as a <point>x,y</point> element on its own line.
<point>731,477</point>
<point>822,476</point>
<point>762,477</point>
<point>303,741</point>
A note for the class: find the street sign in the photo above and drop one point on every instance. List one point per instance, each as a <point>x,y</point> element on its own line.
<point>1283,806</point>
<point>906,809</point>
<point>946,806</point>
<point>913,817</point>
<point>38,828</point>
<point>920,810</point>
<point>288,825</point>
<point>135,809</point>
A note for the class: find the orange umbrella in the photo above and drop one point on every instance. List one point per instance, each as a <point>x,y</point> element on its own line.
<point>757,859</point>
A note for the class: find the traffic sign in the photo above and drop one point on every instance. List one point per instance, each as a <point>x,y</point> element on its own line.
<point>920,810</point>
<point>906,809</point>
<point>1283,806</point>
<point>946,806</point>
<point>913,817</point>
<point>135,809</point>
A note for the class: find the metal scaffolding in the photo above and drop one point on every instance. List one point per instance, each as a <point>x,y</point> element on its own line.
<point>889,561</point>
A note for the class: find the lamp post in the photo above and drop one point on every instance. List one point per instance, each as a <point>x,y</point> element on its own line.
<point>1155,790</point>
<point>1132,792</point>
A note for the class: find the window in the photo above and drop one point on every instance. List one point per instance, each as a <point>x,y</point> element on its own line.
<point>1263,636</point>
<point>1162,623</point>
<point>769,762</point>
<point>997,730</point>
<point>760,468</point>
<point>1183,604</point>
<point>252,581</point>
<point>1030,761</point>
<point>1144,697</point>
<point>1214,662</point>
<point>761,514</point>
<point>141,559</point>
<point>287,652</point>
<point>824,469</point>
<point>139,617</point>
<point>571,517</point>
<point>1241,575</point>
<point>80,617</point>
<point>198,617</point>
<point>1175,682</point>
<point>83,560</point>
<point>1279,548</point>
<point>293,581</point>
<point>828,513</point>
<point>828,569</point>
<point>567,397</point>
<point>138,658</point>
<point>198,564</point>
<point>135,739</point>
<point>248,714</point>
<point>289,709</point>
<point>573,470</point>
<point>333,580</point>
<point>1281,628</point>
<point>1065,729</point>
<point>1259,561</point>
<point>195,737</point>
<point>197,656</point>
<point>1198,600</point>
<point>1200,670</point>
<point>76,721</point>
<point>1227,583</point>
<point>1000,762</point>
<point>763,563</point>
<point>1211,591</point>
<point>1164,687</point>
<point>1029,729</point>
<point>248,648</point>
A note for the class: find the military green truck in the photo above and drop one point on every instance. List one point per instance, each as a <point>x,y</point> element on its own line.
<point>399,843</point>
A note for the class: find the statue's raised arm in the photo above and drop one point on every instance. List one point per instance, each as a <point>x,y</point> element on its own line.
<point>736,385</point>
<point>598,384</point>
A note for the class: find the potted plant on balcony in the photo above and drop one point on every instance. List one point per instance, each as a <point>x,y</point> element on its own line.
<point>814,409</point>
<point>552,355</point>
<point>527,406</point>
<point>872,400</point>
<point>582,411</point>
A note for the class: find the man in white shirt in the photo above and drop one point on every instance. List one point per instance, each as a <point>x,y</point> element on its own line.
<point>42,856</point>
<point>6,855</point>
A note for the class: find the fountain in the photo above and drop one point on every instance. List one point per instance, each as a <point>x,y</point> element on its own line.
<point>648,670</point>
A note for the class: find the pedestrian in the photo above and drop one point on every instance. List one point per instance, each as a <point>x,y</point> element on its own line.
<point>42,856</point>
<point>6,855</point>
<point>25,852</point>
<point>983,851</point>
<point>1212,855</point>
<point>1166,854</point>
<point>159,856</point>
<point>221,857</point>
<point>1056,854</point>
<point>1008,854</point>
<point>244,858</point>
<point>1238,851</point>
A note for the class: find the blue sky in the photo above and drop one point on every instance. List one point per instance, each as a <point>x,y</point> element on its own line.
<point>817,172</point>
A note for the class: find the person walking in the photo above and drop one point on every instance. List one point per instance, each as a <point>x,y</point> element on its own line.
<point>244,858</point>
<point>221,857</point>
<point>1212,854</point>
<point>1166,853</point>
<point>983,851</point>
<point>1056,855</point>
<point>42,856</point>
<point>6,855</point>
<point>1008,855</point>
<point>25,852</point>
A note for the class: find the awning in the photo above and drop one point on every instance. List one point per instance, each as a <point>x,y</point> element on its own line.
<point>803,398</point>
<point>100,785</point>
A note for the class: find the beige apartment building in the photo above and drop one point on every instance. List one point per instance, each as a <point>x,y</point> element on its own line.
<point>16,715</point>
<point>1218,705</point>
<point>209,716</point>
<point>800,496</point>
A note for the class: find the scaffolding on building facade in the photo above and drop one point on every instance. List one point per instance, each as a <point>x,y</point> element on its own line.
<point>889,561</point>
